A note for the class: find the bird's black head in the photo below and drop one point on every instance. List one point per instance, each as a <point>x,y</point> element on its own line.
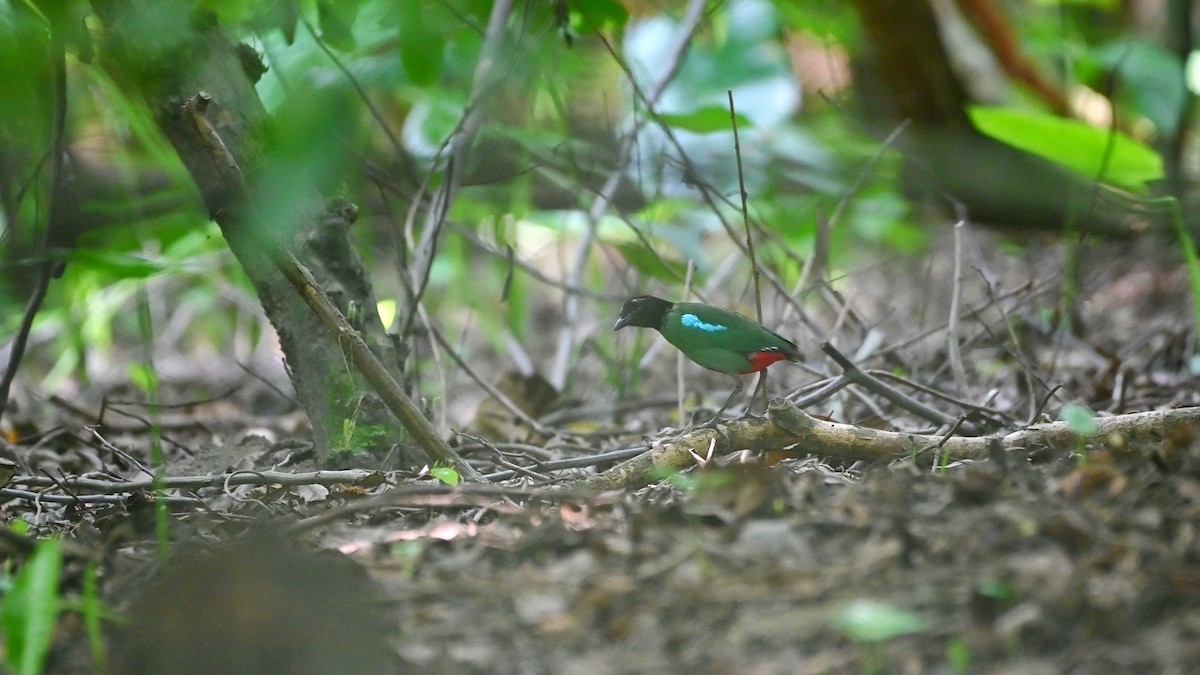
<point>646,311</point>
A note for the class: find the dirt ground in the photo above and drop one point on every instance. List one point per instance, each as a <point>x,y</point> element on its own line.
<point>1042,560</point>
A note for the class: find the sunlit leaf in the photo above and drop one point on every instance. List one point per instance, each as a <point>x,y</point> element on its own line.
<point>386,310</point>
<point>1073,144</point>
<point>706,120</point>
<point>445,474</point>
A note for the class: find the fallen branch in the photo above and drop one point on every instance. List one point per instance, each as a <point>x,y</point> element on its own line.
<point>359,477</point>
<point>788,429</point>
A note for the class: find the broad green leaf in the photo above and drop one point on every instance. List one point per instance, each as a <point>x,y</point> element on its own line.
<point>445,474</point>
<point>1073,144</point>
<point>30,610</point>
<point>706,120</point>
<point>874,621</point>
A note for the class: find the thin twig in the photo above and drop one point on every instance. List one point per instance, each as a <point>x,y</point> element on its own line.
<point>754,271</point>
<point>863,379</point>
<point>572,305</point>
<point>473,238</point>
<point>821,391</point>
<point>954,356</point>
<point>503,461</point>
<point>492,391</point>
<point>451,497</point>
<point>460,144</point>
<point>998,418</point>
<point>49,266</point>
<point>397,146</point>
<point>439,366</point>
<point>680,359</point>
<point>737,153</point>
<point>817,265</point>
<point>578,462</point>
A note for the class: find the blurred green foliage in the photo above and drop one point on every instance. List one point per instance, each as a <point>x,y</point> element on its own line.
<point>29,612</point>
<point>365,94</point>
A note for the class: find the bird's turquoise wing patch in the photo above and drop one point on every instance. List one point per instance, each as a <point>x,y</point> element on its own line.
<point>693,321</point>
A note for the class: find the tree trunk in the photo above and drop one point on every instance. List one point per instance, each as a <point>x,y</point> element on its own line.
<point>199,85</point>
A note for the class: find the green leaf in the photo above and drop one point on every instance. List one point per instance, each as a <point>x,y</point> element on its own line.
<point>93,611</point>
<point>706,120</point>
<point>337,20</point>
<point>1081,420</point>
<point>1073,144</point>
<point>143,377</point>
<point>386,310</point>
<point>445,474</point>
<point>30,610</point>
<point>958,655</point>
<point>646,262</point>
<point>421,46</point>
<point>119,265</point>
<point>873,621</point>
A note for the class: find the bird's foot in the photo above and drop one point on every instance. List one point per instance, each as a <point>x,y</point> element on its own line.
<point>714,424</point>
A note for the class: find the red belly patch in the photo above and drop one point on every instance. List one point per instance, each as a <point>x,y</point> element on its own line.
<point>760,360</point>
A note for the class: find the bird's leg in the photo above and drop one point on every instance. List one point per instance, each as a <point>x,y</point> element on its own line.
<point>736,390</point>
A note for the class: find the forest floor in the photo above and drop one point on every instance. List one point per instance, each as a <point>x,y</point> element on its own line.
<point>1036,561</point>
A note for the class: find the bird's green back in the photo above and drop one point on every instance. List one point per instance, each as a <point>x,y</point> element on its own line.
<point>717,338</point>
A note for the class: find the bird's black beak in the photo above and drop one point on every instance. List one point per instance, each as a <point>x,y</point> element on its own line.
<point>622,321</point>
